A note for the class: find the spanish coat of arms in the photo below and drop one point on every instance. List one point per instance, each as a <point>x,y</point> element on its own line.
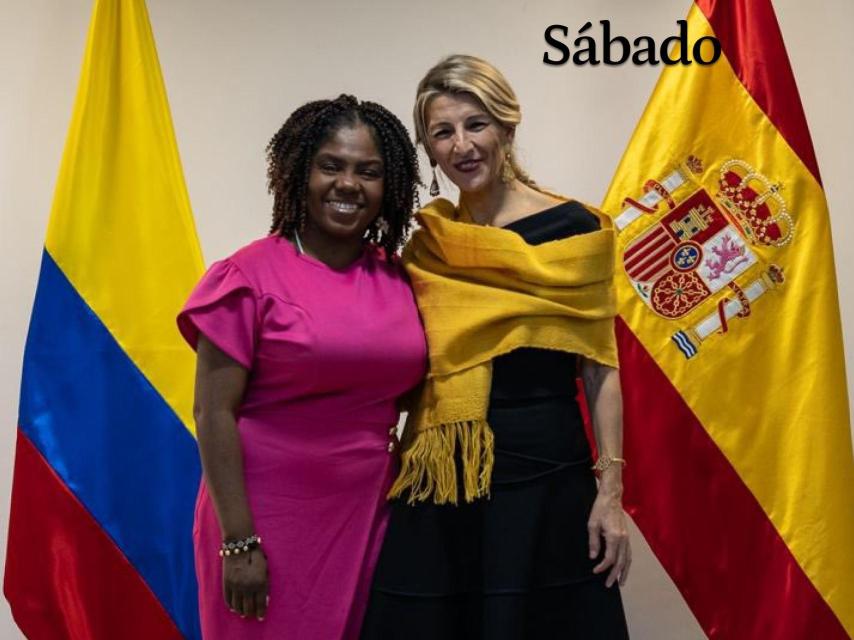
<point>703,245</point>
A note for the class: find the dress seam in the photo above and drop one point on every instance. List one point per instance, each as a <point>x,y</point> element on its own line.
<point>487,593</point>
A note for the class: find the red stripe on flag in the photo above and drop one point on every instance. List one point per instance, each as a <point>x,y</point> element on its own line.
<point>653,273</point>
<point>651,267</point>
<point>706,527</point>
<point>751,40</point>
<point>656,247</point>
<point>653,262</point>
<point>65,578</point>
<point>641,243</point>
<point>648,269</point>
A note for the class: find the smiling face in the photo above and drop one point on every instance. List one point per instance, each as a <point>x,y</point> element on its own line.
<point>468,144</point>
<point>345,186</point>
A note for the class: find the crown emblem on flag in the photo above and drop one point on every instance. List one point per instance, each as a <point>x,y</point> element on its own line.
<point>755,204</point>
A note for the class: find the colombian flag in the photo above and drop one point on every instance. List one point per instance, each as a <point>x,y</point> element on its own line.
<point>106,467</point>
<point>737,434</point>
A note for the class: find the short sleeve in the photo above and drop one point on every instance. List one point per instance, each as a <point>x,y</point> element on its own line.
<point>222,307</point>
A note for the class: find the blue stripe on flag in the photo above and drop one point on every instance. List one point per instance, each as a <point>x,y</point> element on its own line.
<point>685,345</point>
<point>113,440</point>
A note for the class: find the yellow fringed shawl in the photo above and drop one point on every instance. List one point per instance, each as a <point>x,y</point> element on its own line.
<point>483,292</point>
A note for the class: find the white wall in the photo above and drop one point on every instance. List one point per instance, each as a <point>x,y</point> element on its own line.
<point>234,70</point>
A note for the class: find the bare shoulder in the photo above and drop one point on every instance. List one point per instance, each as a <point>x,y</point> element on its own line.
<point>525,201</point>
<point>534,200</point>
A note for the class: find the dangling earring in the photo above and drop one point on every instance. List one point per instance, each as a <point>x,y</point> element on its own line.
<point>434,186</point>
<point>378,230</point>
<point>508,175</point>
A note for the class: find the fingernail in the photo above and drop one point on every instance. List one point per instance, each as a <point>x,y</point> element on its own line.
<point>260,619</point>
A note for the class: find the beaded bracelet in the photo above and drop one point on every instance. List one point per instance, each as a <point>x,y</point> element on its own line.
<point>604,461</point>
<point>235,547</point>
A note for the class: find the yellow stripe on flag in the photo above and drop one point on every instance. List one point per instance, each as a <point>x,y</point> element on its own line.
<point>127,242</point>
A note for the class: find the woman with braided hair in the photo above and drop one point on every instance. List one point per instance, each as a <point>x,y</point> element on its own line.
<point>305,340</point>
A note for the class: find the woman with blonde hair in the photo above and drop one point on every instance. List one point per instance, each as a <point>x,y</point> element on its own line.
<point>499,528</point>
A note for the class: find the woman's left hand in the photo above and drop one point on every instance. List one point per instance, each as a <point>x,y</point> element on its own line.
<point>608,521</point>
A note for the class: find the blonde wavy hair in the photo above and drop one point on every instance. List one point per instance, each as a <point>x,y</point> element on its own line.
<point>469,74</point>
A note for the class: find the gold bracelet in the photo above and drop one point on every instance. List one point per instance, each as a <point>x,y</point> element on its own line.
<point>604,461</point>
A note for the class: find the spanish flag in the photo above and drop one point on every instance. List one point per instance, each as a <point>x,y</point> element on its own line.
<point>106,466</point>
<point>737,426</point>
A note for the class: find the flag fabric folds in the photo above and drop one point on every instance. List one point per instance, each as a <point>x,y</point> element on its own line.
<point>106,466</point>
<point>737,424</point>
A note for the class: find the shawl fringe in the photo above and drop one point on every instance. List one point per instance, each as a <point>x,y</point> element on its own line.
<point>429,471</point>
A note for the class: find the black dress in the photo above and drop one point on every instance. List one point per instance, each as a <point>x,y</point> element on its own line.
<point>514,566</point>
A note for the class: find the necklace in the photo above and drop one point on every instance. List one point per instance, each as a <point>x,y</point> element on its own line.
<point>299,243</point>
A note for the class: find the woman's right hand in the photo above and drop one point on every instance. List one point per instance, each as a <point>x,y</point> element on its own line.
<point>246,584</point>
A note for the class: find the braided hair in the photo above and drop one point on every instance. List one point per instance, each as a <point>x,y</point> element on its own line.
<point>290,153</point>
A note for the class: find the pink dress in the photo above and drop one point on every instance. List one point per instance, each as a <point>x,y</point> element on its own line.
<point>329,353</point>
